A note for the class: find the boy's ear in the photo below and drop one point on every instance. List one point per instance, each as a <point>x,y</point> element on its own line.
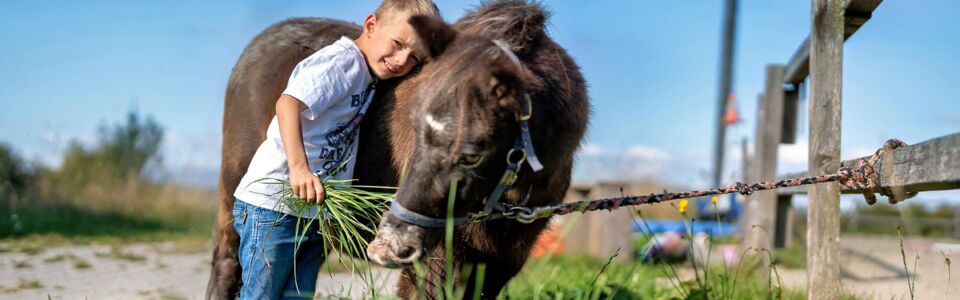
<point>433,31</point>
<point>370,23</point>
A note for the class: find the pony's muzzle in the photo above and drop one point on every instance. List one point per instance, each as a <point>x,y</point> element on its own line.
<point>397,245</point>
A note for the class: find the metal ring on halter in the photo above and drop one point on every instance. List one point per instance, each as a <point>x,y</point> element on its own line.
<point>533,215</point>
<point>513,211</point>
<point>523,156</point>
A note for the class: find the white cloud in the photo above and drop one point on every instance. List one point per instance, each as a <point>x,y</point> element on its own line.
<point>796,153</point>
<point>591,150</point>
<point>633,163</point>
<point>647,153</point>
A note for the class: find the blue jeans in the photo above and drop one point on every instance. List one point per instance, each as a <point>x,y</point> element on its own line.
<point>268,240</point>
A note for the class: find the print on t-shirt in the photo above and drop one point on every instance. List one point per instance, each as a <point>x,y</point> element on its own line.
<point>341,140</point>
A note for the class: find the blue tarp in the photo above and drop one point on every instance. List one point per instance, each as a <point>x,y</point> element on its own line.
<point>648,226</point>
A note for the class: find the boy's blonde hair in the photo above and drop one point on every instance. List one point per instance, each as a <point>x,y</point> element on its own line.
<point>389,10</point>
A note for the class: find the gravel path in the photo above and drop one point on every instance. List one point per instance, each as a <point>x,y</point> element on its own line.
<point>871,266</point>
<point>142,271</point>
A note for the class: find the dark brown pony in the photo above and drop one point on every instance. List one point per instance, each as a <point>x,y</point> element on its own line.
<point>486,88</point>
<point>456,120</point>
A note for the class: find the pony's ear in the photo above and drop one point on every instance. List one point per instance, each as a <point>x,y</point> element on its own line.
<point>433,31</point>
<point>518,24</point>
<point>507,82</point>
<point>524,30</point>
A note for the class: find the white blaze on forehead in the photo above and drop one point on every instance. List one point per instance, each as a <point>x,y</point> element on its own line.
<point>435,125</point>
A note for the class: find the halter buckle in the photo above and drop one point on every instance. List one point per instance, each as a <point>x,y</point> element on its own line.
<point>520,160</point>
<point>525,111</point>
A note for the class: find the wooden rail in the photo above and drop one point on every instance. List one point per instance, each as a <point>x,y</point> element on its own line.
<point>932,165</point>
<point>857,13</point>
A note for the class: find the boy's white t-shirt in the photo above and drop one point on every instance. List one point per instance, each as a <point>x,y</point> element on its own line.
<point>336,86</point>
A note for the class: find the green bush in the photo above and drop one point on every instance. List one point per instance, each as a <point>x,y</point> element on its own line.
<point>121,153</point>
<point>15,176</point>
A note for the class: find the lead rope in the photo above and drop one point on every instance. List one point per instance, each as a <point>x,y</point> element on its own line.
<point>863,177</point>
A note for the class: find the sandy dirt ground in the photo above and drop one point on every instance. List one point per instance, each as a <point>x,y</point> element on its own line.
<point>142,271</point>
<point>871,267</point>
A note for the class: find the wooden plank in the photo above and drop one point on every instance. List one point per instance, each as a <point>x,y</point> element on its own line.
<point>790,108</point>
<point>857,13</point>
<point>932,165</point>
<point>763,207</point>
<point>784,225</point>
<point>798,68</point>
<point>826,86</point>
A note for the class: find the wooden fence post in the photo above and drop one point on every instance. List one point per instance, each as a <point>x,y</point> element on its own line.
<point>743,223</point>
<point>782,237</point>
<point>823,217</point>
<point>769,128</point>
<point>601,233</point>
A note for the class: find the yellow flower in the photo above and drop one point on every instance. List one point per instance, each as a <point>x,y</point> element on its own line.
<point>682,207</point>
<point>714,199</point>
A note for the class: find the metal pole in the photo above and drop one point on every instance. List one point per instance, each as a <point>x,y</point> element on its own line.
<point>726,78</point>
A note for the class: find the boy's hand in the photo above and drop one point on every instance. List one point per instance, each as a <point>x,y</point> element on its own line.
<point>307,186</point>
<point>304,183</point>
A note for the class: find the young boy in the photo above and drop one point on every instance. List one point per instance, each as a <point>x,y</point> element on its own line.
<point>314,132</point>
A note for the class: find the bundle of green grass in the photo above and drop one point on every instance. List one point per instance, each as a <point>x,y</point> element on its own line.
<point>349,212</point>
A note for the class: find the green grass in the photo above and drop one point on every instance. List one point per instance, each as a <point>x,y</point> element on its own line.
<point>80,264</point>
<point>119,254</point>
<point>22,284</point>
<point>59,258</point>
<point>579,277</point>
<point>21,264</point>
<point>78,224</point>
<point>791,258</point>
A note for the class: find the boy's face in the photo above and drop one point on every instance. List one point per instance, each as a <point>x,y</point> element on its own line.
<point>391,48</point>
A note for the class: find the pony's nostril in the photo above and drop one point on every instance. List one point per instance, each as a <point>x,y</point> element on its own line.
<point>408,254</point>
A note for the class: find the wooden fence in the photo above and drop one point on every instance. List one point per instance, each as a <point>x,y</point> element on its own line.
<point>927,166</point>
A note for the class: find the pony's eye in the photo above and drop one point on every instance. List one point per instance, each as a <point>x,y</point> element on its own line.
<point>469,161</point>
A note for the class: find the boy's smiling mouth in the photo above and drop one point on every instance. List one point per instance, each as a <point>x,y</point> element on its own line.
<point>390,67</point>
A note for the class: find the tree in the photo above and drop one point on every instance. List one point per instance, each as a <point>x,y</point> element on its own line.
<point>122,151</point>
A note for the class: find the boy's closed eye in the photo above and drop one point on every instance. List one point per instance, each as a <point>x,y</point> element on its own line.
<point>397,45</point>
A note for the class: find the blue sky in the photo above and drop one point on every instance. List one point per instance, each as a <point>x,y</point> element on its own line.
<point>652,67</point>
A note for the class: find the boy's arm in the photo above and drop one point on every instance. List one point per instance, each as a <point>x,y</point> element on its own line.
<point>304,183</point>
